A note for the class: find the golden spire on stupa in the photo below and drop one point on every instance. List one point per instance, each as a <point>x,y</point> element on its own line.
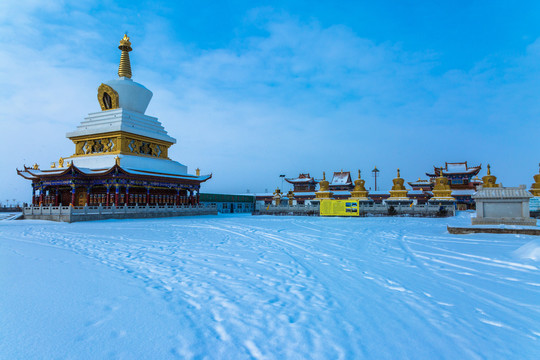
<point>535,188</point>
<point>124,70</point>
<point>489,181</point>
<point>398,189</point>
<point>359,192</point>
<point>441,190</point>
<point>324,189</point>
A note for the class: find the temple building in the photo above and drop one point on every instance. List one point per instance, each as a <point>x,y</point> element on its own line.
<point>303,183</point>
<point>121,155</point>
<point>459,175</point>
<point>421,185</point>
<point>341,181</point>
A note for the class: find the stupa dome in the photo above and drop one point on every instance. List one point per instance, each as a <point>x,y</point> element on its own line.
<point>131,95</point>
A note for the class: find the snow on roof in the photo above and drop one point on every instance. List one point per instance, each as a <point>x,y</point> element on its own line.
<point>503,193</point>
<point>463,192</point>
<point>420,181</point>
<point>341,178</point>
<point>122,120</point>
<point>456,167</point>
<point>301,180</point>
<point>141,163</point>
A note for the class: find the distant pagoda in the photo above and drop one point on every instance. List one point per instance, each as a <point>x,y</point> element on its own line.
<point>121,154</point>
<point>303,183</point>
<point>459,175</point>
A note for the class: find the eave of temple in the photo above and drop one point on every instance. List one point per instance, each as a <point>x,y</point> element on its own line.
<point>37,174</point>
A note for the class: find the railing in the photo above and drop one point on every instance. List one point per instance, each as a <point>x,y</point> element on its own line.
<point>363,209</point>
<point>98,210</point>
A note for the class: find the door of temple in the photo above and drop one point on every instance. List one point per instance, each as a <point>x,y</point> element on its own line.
<point>81,198</point>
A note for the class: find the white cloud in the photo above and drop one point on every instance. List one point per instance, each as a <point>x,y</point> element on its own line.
<point>297,97</point>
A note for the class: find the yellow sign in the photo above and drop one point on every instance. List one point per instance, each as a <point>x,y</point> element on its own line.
<point>339,208</point>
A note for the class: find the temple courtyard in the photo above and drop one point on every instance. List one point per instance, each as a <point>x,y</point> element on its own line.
<point>243,287</point>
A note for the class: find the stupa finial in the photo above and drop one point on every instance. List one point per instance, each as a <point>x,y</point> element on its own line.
<point>124,70</point>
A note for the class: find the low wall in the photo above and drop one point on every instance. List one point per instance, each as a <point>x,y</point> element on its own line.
<point>364,210</point>
<point>89,213</point>
<point>471,230</point>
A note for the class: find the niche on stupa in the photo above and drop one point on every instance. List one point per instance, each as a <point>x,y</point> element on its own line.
<point>107,97</point>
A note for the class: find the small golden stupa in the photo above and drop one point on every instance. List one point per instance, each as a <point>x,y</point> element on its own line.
<point>398,192</point>
<point>277,197</point>
<point>290,196</point>
<point>359,192</point>
<point>324,189</point>
<point>535,188</point>
<point>489,181</point>
<point>441,190</point>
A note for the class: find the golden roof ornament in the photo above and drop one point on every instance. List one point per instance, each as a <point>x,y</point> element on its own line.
<point>117,160</point>
<point>61,162</point>
<point>198,172</point>
<point>535,188</point>
<point>398,189</point>
<point>36,166</point>
<point>359,183</point>
<point>124,70</point>
<point>324,185</point>
<point>489,181</point>
<point>441,190</point>
<point>359,192</point>
<point>290,196</point>
<point>324,189</point>
<point>277,197</point>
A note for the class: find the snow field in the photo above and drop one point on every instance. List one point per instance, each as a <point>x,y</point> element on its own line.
<point>241,287</point>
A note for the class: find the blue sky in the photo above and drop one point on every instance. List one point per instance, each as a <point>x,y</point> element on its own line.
<point>252,90</point>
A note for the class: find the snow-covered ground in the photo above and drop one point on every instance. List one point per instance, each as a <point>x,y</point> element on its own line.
<point>240,287</point>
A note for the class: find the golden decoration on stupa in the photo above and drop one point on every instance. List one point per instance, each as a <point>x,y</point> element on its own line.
<point>290,196</point>
<point>359,192</point>
<point>535,188</point>
<point>277,196</point>
<point>124,70</point>
<point>398,189</point>
<point>108,97</point>
<point>441,190</point>
<point>324,189</point>
<point>489,181</point>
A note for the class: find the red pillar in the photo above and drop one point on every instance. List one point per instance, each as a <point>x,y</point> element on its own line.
<point>88,196</point>
<point>108,194</point>
<point>72,195</point>
<point>126,200</point>
<point>56,198</point>
<point>116,194</point>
